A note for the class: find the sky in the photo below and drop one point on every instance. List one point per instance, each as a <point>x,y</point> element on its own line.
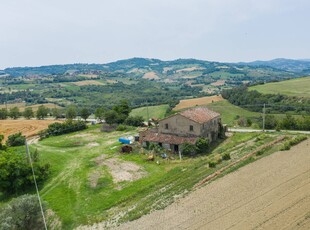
<point>45,32</point>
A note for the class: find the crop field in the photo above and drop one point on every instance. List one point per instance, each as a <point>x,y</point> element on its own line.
<point>88,82</point>
<point>28,128</point>
<point>93,182</point>
<point>197,102</point>
<point>35,107</point>
<point>272,193</point>
<point>299,87</point>
<point>157,111</point>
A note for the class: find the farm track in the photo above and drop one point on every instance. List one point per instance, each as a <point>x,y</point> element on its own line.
<point>272,193</point>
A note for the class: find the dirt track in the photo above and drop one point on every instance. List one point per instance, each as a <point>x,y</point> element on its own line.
<point>272,193</point>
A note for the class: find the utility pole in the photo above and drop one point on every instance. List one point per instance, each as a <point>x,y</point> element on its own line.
<point>264,116</point>
<point>147,111</point>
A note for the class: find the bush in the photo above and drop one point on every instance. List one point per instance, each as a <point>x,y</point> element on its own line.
<point>121,128</point>
<point>188,149</point>
<point>16,172</point>
<point>287,145</point>
<point>134,121</point>
<point>212,164</point>
<point>57,128</point>
<point>16,139</point>
<point>226,157</point>
<point>202,145</point>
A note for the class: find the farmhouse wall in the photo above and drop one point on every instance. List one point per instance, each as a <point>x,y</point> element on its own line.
<point>180,125</point>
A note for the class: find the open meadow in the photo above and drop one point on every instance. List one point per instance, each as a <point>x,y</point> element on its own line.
<point>299,87</point>
<point>157,111</point>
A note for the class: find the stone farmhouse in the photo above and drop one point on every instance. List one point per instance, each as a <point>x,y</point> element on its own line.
<point>183,127</point>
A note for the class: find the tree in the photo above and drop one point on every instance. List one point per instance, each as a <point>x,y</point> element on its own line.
<point>99,113</point>
<point>122,108</point>
<point>85,113</point>
<point>56,113</point>
<point>28,113</point>
<point>188,149</point>
<point>42,112</point>
<point>71,112</point>
<point>134,121</point>
<point>202,145</point>
<point>270,122</point>
<point>14,113</point>
<point>16,139</point>
<point>3,114</point>
<point>289,122</point>
<point>111,117</point>
<point>22,213</point>
<point>16,173</point>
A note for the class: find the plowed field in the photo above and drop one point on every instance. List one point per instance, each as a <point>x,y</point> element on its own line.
<point>197,102</point>
<point>27,127</point>
<point>271,193</point>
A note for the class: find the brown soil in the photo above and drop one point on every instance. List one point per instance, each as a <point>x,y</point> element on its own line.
<point>218,83</point>
<point>271,193</point>
<point>120,170</point>
<point>197,101</point>
<point>28,128</point>
<point>150,76</point>
<point>88,82</point>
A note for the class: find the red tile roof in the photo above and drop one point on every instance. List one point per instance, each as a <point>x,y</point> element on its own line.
<point>152,136</point>
<point>200,114</point>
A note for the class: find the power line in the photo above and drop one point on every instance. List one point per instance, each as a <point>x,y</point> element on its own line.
<point>35,182</point>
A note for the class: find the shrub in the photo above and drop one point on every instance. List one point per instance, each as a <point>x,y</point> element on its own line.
<point>202,145</point>
<point>226,157</point>
<point>212,164</point>
<point>57,129</point>
<point>188,149</point>
<point>16,139</point>
<point>134,121</point>
<point>22,213</point>
<point>121,128</point>
<point>287,145</point>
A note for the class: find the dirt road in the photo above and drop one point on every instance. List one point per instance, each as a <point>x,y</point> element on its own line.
<point>271,193</point>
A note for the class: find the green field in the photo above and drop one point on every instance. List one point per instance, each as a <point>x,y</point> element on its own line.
<point>157,111</point>
<point>299,87</point>
<point>77,161</point>
<point>230,112</point>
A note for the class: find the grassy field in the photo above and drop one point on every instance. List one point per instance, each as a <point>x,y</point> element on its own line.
<point>92,182</point>
<point>157,111</point>
<point>230,112</point>
<point>299,87</point>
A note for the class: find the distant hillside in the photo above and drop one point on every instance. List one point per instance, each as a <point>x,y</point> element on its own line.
<point>180,68</point>
<point>297,66</point>
<point>296,87</point>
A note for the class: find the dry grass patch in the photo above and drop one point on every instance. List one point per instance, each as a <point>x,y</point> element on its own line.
<point>88,82</point>
<point>218,83</point>
<point>151,76</point>
<point>28,128</point>
<point>197,102</point>
<point>190,69</point>
<point>22,106</point>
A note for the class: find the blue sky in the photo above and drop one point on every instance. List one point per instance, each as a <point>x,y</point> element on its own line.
<point>44,32</point>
